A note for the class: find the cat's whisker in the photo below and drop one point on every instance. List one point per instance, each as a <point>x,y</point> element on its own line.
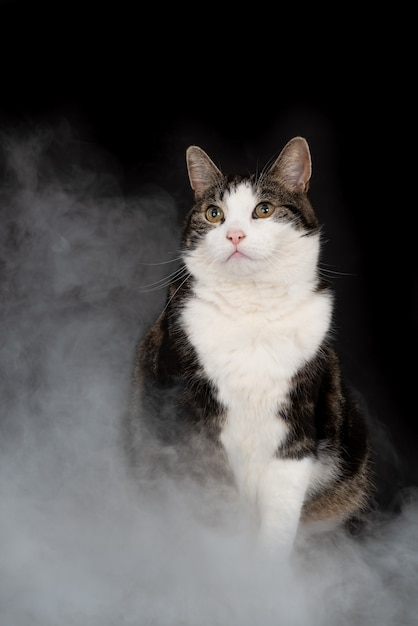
<point>261,175</point>
<point>165,281</point>
<point>187,276</point>
<point>279,254</point>
<point>324,271</point>
<point>177,258</point>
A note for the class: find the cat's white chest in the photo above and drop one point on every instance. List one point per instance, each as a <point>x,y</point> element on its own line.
<point>250,357</point>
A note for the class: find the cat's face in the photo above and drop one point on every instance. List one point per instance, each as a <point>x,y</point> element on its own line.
<point>247,228</point>
<point>240,233</point>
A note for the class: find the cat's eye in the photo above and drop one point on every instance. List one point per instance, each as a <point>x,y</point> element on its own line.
<point>214,214</point>
<point>264,209</point>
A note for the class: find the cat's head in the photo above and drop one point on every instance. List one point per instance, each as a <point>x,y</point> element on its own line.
<point>258,227</point>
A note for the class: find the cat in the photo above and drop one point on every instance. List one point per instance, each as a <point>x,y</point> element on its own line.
<point>241,358</point>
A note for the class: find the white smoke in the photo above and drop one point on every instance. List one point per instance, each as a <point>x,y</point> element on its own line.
<point>78,545</point>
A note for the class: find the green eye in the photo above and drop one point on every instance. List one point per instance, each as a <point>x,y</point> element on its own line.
<point>214,214</point>
<point>264,209</point>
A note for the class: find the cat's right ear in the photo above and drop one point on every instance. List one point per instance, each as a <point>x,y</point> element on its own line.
<point>203,173</point>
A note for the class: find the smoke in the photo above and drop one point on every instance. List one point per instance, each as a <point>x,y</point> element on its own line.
<point>79,545</point>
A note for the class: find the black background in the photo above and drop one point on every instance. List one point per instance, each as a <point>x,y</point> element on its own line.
<point>140,83</point>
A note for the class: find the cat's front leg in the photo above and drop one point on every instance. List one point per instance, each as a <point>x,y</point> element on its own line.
<point>281,493</point>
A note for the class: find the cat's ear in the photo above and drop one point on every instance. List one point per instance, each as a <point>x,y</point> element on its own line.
<point>293,166</point>
<point>203,173</point>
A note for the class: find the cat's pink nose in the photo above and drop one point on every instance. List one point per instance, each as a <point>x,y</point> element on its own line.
<point>235,236</point>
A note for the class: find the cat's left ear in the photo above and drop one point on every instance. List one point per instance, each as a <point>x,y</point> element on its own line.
<point>203,173</point>
<point>293,166</point>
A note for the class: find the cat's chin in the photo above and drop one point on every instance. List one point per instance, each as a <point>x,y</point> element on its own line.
<point>239,264</point>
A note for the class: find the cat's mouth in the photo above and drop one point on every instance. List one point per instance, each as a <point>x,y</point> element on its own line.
<point>237,254</point>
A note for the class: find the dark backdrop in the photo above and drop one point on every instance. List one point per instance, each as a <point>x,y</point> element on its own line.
<point>138,86</point>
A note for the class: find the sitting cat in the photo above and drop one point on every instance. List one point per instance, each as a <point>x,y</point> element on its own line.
<point>241,357</point>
